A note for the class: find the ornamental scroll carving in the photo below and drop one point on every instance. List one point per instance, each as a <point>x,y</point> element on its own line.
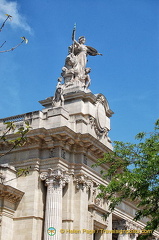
<point>99,122</point>
<point>82,182</point>
<point>99,132</point>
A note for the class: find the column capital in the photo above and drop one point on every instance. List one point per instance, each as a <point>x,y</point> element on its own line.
<point>83,181</point>
<point>125,224</point>
<point>55,177</point>
<point>130,225</point>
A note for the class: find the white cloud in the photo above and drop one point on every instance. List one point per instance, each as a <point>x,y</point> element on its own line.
<point>11,8</point>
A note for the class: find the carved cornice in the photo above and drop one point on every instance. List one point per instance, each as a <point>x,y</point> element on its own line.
<point>43,138</point>
<point>11,194</point>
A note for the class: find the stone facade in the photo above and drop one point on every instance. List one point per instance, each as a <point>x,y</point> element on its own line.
<point>61,188</point>
<point>58,200</point>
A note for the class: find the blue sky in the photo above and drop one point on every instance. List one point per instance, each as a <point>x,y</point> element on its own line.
<point>125,31</point>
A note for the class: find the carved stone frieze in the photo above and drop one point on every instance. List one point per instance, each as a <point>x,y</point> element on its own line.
<point>11,194</point>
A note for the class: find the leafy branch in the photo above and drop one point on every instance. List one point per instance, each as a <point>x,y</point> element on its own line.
<point>24,39</point>
<point>20,172</point>
<point>9,17</point>
<point>134,172</point>
<point>21,136</point>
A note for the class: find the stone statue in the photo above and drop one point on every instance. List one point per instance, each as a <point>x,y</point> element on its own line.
<point>86,78</point>
<point>74,71</point>
<point>58,99</point>
<point>81,51</point>
<point>69,71</point>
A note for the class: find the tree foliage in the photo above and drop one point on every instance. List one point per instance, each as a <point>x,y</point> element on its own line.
<point>24,39</point>
<point>134,173</point>
<point>20,137</point>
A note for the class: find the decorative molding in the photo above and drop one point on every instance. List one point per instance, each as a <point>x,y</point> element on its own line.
<point>99,122</point>
<point>83,181</point>
<point>55,177</point>
<point>98,130</point>
<point>100,98</point>
<point>63,153</point>
<point>2,177</point>
<point>11,194</point>
<point>36,168</point>
<point>52,153</point>
<point>125,224</point>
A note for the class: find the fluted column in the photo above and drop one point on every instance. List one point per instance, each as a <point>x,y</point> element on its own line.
<point>55,180</point>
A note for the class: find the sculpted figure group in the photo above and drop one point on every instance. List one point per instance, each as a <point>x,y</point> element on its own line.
<point>75,71</point>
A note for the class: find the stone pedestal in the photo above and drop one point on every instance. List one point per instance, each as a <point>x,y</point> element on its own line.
<point>55,180</point>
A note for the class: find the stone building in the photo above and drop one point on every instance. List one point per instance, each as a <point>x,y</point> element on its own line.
<point>57,199</point>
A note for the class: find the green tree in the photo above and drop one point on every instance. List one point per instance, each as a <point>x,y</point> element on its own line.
<point>134,173</point>
<point>24,39</point>
<point>19,136</point>
<point>19,139</point>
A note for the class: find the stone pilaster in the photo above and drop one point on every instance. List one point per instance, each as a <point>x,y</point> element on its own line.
<point>82,186</point>
<point>55,180</point>
<point>9,200</point>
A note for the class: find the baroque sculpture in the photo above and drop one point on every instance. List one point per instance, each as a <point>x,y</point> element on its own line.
<point>58,99</point>
<point>74,72</point>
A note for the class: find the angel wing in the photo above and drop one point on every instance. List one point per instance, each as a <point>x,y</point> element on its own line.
<point>92,51</point>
